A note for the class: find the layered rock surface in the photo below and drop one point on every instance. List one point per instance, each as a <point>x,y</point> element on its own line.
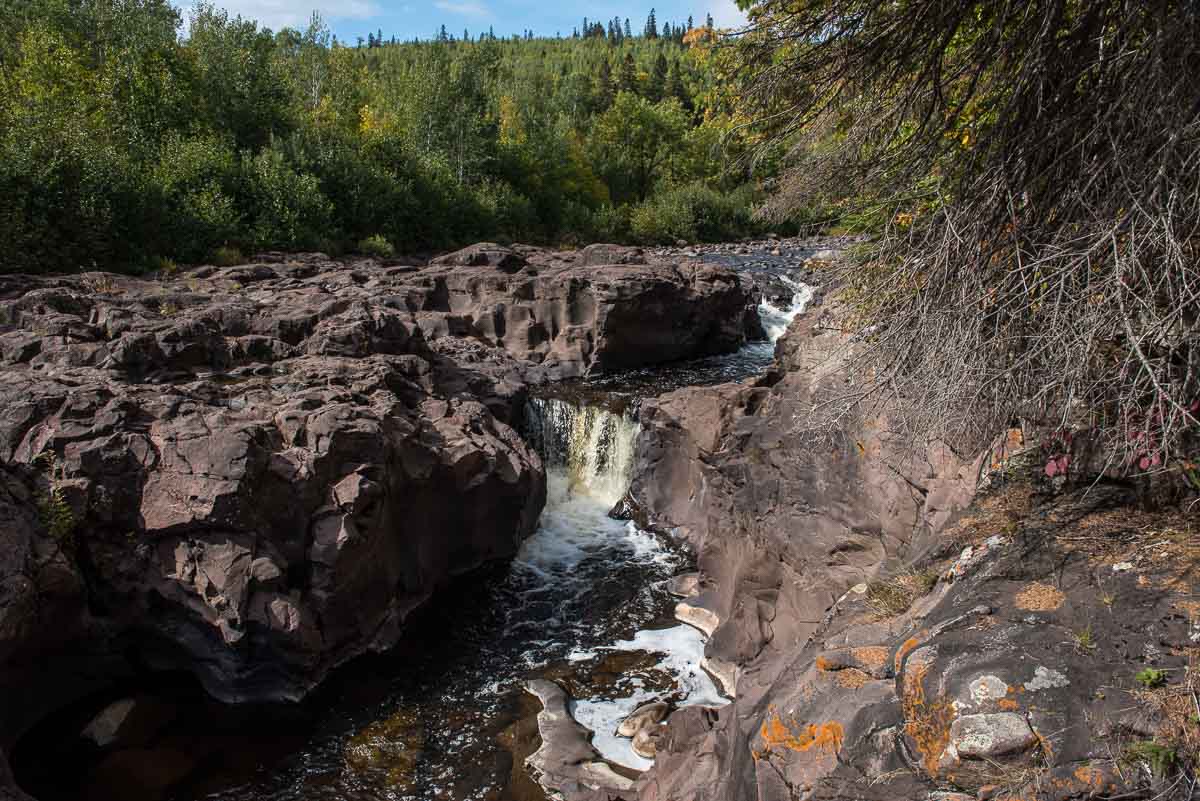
<point>255,473</point>
<point>1010,676</point>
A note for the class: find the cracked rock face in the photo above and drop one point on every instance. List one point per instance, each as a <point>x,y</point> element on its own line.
<point>261,470</point>
<point>978,679</point>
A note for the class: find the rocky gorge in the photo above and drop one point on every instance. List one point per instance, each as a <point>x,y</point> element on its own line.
<point>256,474</point>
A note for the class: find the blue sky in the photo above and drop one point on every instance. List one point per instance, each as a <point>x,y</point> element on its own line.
<point>405,19</point>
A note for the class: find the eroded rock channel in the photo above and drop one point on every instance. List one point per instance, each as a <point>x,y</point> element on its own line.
<point>389,496</point>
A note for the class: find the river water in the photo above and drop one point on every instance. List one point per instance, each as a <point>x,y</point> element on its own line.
<point>443,717</point>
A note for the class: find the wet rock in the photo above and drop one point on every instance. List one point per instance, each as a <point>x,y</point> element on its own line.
<point>104,727</point>
<point>697,616</point>
<point>646,715</point>
<point>389,751</point>
<point>685,585</point>
<point>566,762</point>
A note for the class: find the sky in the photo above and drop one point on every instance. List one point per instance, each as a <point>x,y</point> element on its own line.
<point>406,19</point>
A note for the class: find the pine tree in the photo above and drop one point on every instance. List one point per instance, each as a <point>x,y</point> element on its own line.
<point>442,35</point>
<point>691,23</point>
<point>627,80</point>
<point>651,26</point>
<point>605,92</point>
<point>708,23</point>
<point>666,32</point>
<point>628,30</point>
<point>676,88</point>
<point>379,38</point>
<point>658,79</point>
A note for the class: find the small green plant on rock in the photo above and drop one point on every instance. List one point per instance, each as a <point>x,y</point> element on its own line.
<point>1084,640</point>
<point>376,246</point>
<point>1151,678</point>
<point>168,308</point>
<point>1161,759</point>
<point>54,512</point>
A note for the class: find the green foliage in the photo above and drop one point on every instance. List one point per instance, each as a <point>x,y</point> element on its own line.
<point>1151,678</point>
<point>1161,759</point>
<point>128,133</point>
<point>225,256</point>
<point>695,213</point>
<point>376,246</point>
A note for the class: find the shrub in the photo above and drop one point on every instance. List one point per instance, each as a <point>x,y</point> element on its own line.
<point>695,212</point>
<point>286,207</point>
<point>376,246</point>
<point>226,256</point>
<point>896,595</point>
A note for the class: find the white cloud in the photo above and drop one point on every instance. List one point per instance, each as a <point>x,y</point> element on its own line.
<point>277,14</point>
<point>465,8</point>
<point>726,14</point>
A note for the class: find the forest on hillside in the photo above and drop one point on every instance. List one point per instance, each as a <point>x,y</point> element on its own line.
<point>131,136</point>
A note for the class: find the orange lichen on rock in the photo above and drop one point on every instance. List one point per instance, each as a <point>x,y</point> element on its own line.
<point>927,723</point>
<point>907,648</point>
<point>825,738</point>
<point>824,664</point>
<point>1008,705</point>
<point>870,658</point>
<point>1038,597</point>
<point>852,678</point>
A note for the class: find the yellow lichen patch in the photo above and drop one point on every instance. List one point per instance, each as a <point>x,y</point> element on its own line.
<point>825,738</point>
<point>870,658</point>
<point>1038,597</point>
<point>927,723</point>
<point>1008,705</point>
<point>824,664</point>
<point>852,678</point>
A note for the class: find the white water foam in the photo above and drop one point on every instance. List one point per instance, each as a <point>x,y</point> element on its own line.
<point>682,648</point>
<point>776,320</point>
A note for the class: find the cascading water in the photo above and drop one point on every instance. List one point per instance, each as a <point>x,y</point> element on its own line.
<point>427,721</point>
<point>440,717</point>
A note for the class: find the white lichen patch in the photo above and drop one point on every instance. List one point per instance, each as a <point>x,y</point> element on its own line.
<point>1046,679</point>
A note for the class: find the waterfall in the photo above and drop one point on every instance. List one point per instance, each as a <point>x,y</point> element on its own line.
<point>775,320</point>
<point>587,450</point>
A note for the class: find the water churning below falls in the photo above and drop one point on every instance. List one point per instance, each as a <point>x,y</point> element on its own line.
<point>441,718</point>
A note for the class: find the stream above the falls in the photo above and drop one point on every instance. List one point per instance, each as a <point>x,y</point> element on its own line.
<point>443,716</point>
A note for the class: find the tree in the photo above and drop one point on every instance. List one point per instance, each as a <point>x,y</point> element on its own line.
<point>634,140</point>
<point>708,22</point>
<point>1029,173</point>
<point>605,91</point>
<point>657,87</point>
<point>628,30</point>
<point>651,26</point>
<point>676,88</point>
<point>627,78</point>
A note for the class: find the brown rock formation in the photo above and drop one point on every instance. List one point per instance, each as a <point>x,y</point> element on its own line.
<point>1002,679</point>
<point>256,473</point>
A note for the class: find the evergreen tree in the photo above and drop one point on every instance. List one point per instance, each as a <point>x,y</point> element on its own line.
<point>658,79</point>
<point>605,91</point>
<point>691,24</point>
<point>627,79</point>
<point>628,30</point>
<point>379,37</point>
<point>708,22</point>
<point>651,26</point>
<point>667,31</point>
<point>677,89</point>
<point>370,41</point>
<point>442,35</point>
